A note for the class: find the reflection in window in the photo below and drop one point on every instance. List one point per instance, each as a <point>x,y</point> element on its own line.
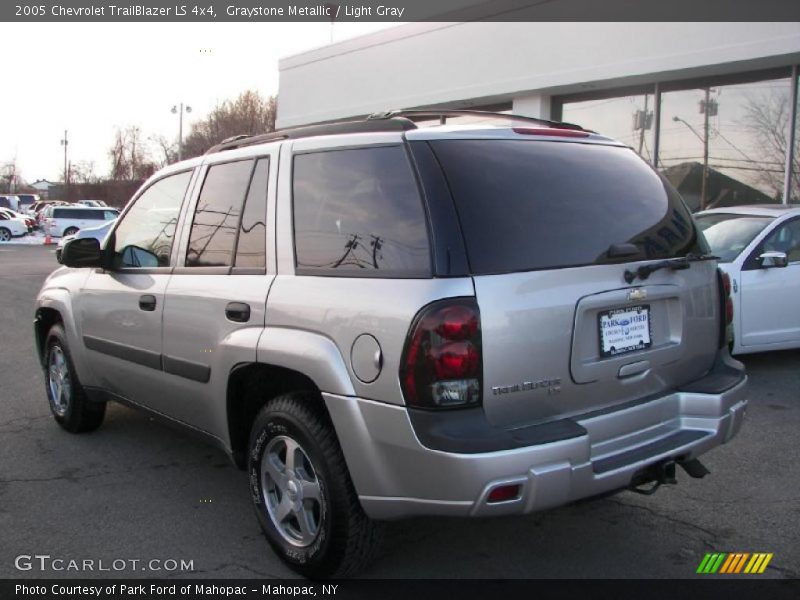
<point>251,248</point>
<point>627,119</point>
<point>726,145</point>
<point>359,210</point>
<point>216,217</point>
<point>145,235</point>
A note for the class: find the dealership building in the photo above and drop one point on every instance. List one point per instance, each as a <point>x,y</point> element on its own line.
<point>712,105</point>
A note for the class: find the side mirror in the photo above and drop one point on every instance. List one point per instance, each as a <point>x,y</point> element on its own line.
<point>771,260</point>
<point>81,252</point>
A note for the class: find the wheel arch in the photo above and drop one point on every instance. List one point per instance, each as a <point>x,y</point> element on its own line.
<point>250,387</point>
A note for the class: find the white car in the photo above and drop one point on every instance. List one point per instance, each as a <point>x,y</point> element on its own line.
<point>12,214</point>
<point>11,227</point>
<point>68,220</point>
<point>759,248</point>
<point>93,203</point>
<point>99,233</point>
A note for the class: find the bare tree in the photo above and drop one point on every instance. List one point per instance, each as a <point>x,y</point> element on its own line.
<point>82,172</point>
<point>767,118</point>
<point>168,150</point>
<point>130,156</point>
<point>250,113</point>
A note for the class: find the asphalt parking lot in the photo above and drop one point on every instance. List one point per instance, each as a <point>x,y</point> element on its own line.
<point>137,489</point>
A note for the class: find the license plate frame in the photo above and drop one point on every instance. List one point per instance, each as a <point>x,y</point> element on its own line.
<point>638,335</point>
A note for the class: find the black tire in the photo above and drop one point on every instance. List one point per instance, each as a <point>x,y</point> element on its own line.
<point>73,410</point>
<point>69,231</point>
<point>346,539</point>
<point>5,235</point>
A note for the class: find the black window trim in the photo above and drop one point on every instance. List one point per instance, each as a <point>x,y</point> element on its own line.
<point>372,274</point>
<point>112,238</point>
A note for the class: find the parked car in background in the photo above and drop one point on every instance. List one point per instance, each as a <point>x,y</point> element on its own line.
<point>98,233</point>
<point>11,227</point>
<point>759,248</point>
<point>9,201</point>
<point>93,203</point>
<point>26,201</point>
<point>38,210</point>
<point>29,222</point>
<point>68,220</point>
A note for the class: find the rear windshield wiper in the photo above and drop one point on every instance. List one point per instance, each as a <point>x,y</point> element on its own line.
<point>673,264</point>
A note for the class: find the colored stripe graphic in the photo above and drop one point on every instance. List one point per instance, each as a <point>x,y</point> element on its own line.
<point>703,563</point>
<point>729,563</point>
<point>717,564</point>
<point>741,563</point>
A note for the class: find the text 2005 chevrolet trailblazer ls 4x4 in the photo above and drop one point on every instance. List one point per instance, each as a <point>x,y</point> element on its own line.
<point>379,320</point>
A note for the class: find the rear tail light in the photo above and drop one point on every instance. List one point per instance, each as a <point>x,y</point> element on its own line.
<point>726,307</point>
<point>442,361</point>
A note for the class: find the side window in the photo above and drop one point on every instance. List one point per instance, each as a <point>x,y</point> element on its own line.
<point>216,218</point>
<point>358,212</point>
<point>785,238</point>
<point>251,250</point>
<point>110,214</point>
<point>145,234</point>
<point>3,217</point>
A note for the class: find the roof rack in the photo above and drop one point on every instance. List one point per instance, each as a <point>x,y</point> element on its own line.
<point>361,126</point>
<point>392,120</point>
<point>442,115</point>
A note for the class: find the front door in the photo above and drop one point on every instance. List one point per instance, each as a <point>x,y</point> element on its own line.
<point>770,310</point>
<point>121,308</point>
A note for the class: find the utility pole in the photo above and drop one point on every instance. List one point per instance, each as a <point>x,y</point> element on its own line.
<point>180,111</point>
<point>643,127</point>
<point>65,143</point>
<point>705,107</point>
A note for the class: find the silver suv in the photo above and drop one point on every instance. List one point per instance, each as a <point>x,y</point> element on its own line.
<point>379,320</point>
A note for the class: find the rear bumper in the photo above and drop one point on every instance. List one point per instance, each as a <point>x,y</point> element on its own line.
<point>396,476</point>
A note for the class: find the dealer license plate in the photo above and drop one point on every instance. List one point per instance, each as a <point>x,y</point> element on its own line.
<point>624,330</point>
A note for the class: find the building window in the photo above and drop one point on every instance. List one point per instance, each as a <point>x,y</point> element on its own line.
<point>721,142</point>
<point>628,119</point>
<point>726,145</point>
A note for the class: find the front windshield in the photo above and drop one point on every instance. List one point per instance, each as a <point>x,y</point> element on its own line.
<point>729,234</point>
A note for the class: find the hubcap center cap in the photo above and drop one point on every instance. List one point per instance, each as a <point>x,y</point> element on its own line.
<point>292,490</point>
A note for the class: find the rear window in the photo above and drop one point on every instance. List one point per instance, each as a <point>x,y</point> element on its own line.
<point>527,205</point>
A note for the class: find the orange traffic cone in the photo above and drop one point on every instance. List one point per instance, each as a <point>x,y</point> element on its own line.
<point>48,241</point>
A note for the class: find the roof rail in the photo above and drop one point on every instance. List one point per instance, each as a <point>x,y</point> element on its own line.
<point>444,113</point>
<point>361,126</point>
<point>392,120</point>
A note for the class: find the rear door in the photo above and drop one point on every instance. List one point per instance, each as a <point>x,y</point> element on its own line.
<point>551,227</point>
<point>215,301</point>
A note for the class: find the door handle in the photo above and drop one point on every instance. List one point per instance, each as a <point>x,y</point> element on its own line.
<point>147,302</point>
<point>238,312</point>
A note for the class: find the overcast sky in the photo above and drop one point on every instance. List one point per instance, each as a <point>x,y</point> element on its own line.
<point>93,78</point>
